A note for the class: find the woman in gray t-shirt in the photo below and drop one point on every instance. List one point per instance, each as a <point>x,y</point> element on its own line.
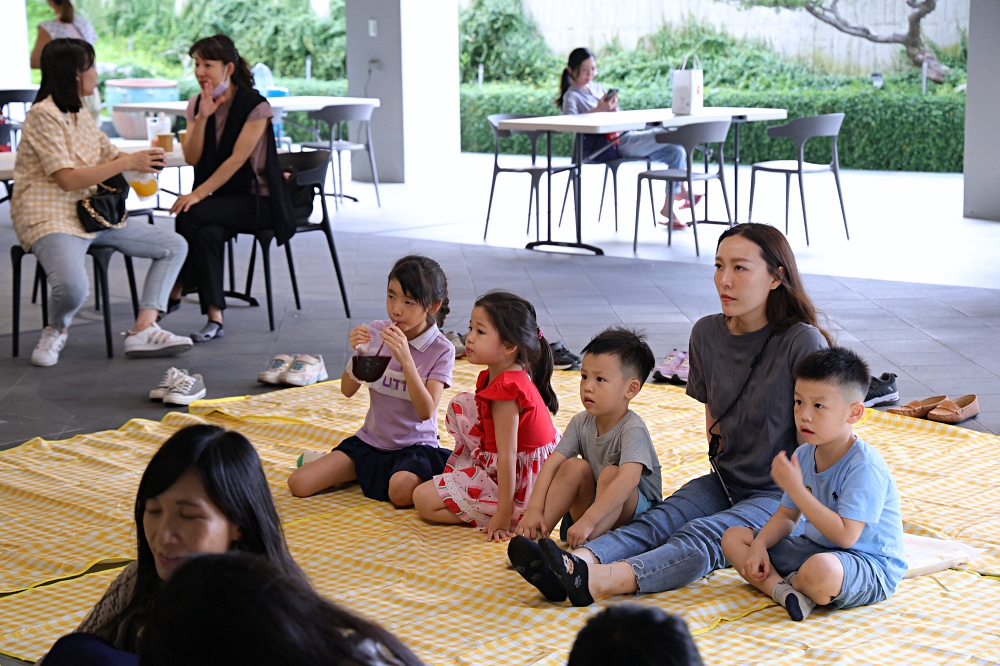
<point>764,302</point>
<point>580,93</point>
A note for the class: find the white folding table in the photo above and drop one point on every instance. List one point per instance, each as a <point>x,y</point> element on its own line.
<point>626,121</point>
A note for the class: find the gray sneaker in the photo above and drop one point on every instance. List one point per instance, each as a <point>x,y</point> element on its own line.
<point>188,389</point>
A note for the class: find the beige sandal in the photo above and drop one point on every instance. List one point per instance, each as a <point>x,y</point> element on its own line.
<point>954,411</point>
<point>918,409</point>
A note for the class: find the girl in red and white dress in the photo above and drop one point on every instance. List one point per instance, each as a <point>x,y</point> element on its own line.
<point>504,432</point>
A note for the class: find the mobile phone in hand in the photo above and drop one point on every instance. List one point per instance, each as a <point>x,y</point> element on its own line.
<point>611,93</point>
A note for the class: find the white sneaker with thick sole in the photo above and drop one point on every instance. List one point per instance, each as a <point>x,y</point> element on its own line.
<point>305,370</point>
<point>279,366</point>
<point>171,377</point>
<point>154,341</point>
<point>186,391</point>
<point>46,352</point>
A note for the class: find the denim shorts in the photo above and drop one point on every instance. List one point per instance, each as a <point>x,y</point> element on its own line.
<point>641,506</point>
<point>864,580</point>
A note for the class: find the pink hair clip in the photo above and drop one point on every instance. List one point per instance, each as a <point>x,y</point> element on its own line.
<point>541,334</point>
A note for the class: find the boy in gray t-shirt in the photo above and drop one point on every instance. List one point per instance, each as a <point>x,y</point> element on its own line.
<point>617,475</point>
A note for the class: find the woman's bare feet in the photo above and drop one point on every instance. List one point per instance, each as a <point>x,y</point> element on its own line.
<point>667,212</point>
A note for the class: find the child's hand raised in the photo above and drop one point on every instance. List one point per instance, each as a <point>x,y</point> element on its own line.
<point>532,525</point>
<point>786,472</point>
<point>396,341</point>
<point>359,336</point>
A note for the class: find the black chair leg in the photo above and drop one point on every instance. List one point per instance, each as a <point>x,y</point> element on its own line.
<point>753,182</point>
<point>97,292</point>
<point>840,195</point>
<point>291,272</point>
<point>336,267</point>
<point>265,259</point>
<point>16,254</point>
<point>531,196</point>
<point>371,159</point>
<point>232,265</point>
<point>788,194</point>
<point>802,196</point>
<point>489,208</point>
<point>131,285</point>
<point>34,287</point>
<point>652,206</point>
<point>43,288</point>
<point>101,285</point>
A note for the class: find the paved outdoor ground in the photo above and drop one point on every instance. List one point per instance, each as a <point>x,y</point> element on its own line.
<point>938,339</point>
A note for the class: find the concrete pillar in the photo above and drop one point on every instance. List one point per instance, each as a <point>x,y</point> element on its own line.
<point>16,70</point>
<point>982,113</point>
<point>416,130</point>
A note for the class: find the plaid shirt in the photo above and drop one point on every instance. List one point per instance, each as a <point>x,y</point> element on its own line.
<point>52,140</point>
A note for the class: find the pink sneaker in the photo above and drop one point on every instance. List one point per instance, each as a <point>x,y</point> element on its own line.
<point>674,368</point>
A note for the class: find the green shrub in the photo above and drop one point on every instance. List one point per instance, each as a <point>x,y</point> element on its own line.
<point>881,131</point>
<point>500,36</point>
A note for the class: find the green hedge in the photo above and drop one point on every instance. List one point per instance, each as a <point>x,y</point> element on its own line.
<point>882,131</point>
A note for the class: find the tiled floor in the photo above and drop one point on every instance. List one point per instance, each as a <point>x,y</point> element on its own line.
<point>937,339</point>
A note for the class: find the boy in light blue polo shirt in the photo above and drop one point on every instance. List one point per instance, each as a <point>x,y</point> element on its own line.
<point>851,551</point>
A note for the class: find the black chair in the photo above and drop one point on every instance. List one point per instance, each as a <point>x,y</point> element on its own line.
<point>536,172</point>
<point>690,137</point>
<point>102,257</point>
<point>335,116</point>
<point>801,130</point>
<point>310,171</point>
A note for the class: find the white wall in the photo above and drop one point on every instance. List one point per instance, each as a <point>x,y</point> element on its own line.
<point>982,136</point>
<point>15,72</point>
<point>567,24</point>
<point>416,129</point>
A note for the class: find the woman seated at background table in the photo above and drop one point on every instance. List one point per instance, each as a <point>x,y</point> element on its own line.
<point>61,158</point>
<point>238,186</point>
<point>204,492</point>
<point>579,93</point>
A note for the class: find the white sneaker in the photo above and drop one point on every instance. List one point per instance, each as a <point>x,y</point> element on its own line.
<point>47,350</point>
<point>154,341</point>
<point>305,370</point>
<point>185,391</point>
<point>171,377</point>
<point>279,365</point>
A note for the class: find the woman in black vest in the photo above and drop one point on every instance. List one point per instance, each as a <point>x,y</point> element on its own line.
<point>238,185</point>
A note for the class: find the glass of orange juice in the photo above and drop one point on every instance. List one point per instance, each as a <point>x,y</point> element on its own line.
<point>145,185</point>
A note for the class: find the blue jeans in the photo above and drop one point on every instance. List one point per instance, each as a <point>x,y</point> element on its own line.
<point>643,144</point>
<point>62,257</point>
<point>680,540</point>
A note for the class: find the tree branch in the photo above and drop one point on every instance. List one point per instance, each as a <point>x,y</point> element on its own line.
<point>831,16</point>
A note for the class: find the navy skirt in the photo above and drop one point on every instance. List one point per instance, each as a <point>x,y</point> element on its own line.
<point>87,650</point>
<point>375,467</point>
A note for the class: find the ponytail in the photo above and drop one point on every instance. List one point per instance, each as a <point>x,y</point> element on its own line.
<point>514,319</point>
<point>221,47</point>
<point>576,58</point>
<point>66,11</point>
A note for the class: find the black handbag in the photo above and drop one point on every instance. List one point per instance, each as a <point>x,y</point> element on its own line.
<point>106,208</point>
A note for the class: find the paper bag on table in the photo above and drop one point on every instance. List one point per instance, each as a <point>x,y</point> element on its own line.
<point>689,88</point>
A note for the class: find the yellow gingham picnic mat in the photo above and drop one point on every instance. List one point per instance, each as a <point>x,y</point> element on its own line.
<point>444,590</point>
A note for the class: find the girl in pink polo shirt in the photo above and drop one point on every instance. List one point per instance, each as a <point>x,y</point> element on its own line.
<point>397,449</point>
